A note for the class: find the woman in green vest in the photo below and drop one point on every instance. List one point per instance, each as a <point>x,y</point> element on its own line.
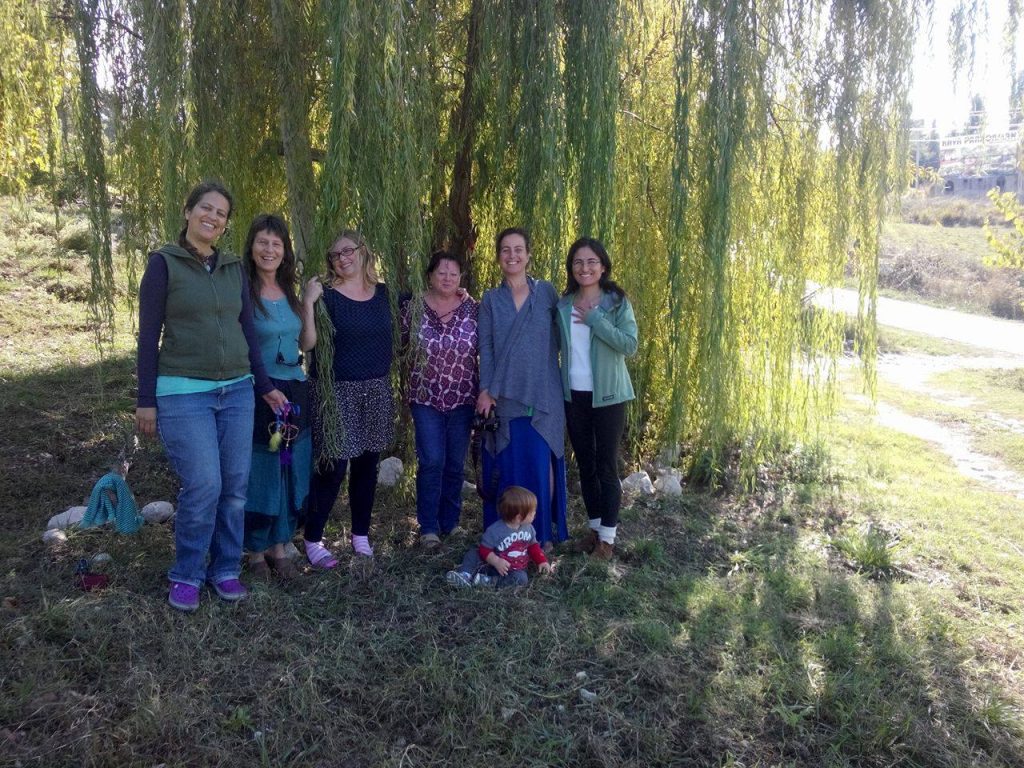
<point>198,357</point>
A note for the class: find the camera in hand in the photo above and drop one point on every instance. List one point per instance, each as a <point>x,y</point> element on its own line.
<point>488,423</point>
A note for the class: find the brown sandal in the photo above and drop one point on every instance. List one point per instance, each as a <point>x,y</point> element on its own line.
<point>285,568</point>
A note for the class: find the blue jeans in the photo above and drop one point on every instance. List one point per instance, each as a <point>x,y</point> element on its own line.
<point>472,564</point>
<point>441,443</point>
<point>208,439</point>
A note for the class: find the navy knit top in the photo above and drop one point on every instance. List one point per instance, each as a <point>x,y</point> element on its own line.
<point>362,335</point>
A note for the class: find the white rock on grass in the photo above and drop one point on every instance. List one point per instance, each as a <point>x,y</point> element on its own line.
<point>638,482</point>
<point>290,551</point>
<point>101,558</point>
<point>54,536</point>
<point>389,471</point>
<point>668,483</point>
<point>69,518</point>
<point>158,511</point>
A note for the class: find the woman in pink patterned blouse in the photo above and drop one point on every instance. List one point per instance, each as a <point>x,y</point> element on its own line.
<point>442,392</point>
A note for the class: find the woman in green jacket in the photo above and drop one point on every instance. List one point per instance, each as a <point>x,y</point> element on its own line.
<point>598,332</point>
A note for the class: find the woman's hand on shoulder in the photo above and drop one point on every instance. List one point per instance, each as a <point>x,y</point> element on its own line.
<point>314,290</point>
<point>145,421</point>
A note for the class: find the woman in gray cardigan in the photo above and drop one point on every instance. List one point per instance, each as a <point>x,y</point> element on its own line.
<point>520,380</point>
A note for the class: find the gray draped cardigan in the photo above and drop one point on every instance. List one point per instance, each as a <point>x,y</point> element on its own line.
<point>519,361</point>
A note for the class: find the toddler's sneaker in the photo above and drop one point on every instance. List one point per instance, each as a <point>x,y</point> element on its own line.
<point>231,590</point>
<point>458,579</point>
<point>183,596</point>
<point>483,580</point>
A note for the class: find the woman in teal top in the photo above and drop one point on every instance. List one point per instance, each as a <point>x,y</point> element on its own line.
<point>282,447</point>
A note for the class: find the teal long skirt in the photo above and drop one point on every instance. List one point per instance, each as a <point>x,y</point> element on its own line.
<point>276,499</point>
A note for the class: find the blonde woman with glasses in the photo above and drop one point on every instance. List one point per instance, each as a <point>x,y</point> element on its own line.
<point>360,313</point>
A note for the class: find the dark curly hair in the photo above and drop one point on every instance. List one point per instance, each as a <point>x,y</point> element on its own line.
<point>606,282</point>
<point>286,270</point>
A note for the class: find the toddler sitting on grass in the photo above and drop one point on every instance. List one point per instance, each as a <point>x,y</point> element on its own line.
<point>506,547</point>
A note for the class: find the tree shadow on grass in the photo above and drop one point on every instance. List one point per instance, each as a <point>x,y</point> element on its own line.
<point>789,660</point>
<point>722,634</point>
<point>66,426</point>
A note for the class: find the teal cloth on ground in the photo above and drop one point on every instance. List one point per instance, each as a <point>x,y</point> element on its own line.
<point>102,509</point>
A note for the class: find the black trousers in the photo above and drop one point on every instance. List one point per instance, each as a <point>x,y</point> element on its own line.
<point>324,488</point>
<point>595,434</point>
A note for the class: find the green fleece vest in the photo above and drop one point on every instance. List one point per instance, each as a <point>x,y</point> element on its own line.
<point>203,338</point>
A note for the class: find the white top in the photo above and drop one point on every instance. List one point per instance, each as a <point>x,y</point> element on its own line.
<point>581,377</point>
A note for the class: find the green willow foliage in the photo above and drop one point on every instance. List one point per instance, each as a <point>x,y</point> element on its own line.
<point>728,153</point>
<point>1007,247</point>
<point>102,290</point>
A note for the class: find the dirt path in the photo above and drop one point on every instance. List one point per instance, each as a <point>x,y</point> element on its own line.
<point>917,372</point>
<point>978,331</point>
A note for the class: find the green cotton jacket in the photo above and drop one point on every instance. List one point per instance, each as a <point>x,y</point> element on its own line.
<point>202,335</point>
<point>613,338</point>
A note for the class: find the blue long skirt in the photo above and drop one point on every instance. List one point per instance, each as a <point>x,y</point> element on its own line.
<point>528,461</point>
<point>276,497</point>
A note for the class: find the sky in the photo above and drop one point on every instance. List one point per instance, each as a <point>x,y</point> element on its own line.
<point>936,95</point>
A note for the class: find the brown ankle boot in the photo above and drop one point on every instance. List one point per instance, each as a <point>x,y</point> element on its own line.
<point>603,551</point>
<point>585,544</point>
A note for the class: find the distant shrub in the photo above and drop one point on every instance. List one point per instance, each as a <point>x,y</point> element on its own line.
<point>77,238</point>
<point>903,273</point>
<point>69,290</point>
<point>947,211</point>
<point>1005,297</point>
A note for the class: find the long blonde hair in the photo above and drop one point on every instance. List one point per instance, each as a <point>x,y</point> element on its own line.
<point>370,274</point>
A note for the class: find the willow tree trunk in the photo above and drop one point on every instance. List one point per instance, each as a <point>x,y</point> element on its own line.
<point>462,234</point>
<point>294,99</point>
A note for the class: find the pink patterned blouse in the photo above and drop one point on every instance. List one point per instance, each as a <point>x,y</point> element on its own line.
<point>444,375</point>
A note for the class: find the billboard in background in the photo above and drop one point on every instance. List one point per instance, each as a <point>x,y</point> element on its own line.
<point>979,154</point>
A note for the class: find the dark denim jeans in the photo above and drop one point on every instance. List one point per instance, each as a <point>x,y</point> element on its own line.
<point>442,439</point>
<point>472,564</point>
<point>208,439</point>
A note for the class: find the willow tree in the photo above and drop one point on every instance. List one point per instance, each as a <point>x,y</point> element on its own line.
<point>727,152</point>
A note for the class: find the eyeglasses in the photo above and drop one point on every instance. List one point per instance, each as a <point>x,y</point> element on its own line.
<point>280,357</point>
<point>580,263</point>
<point>346,252</point>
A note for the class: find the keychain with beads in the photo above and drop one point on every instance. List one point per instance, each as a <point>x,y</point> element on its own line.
<point>282,433</point>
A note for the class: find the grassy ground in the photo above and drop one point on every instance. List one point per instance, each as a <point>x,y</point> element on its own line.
<point>935,252</point>
<point>985,405</point>
<point>862,608</point>
<point>896,341</point>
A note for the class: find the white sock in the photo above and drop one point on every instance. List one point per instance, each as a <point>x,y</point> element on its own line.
<point>606,533</point>
<point>361,545</point>
<point>595,524</point>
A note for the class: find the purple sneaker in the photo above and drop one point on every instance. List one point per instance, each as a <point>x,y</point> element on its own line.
<point>231,590</point>
<point>183,596</point>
